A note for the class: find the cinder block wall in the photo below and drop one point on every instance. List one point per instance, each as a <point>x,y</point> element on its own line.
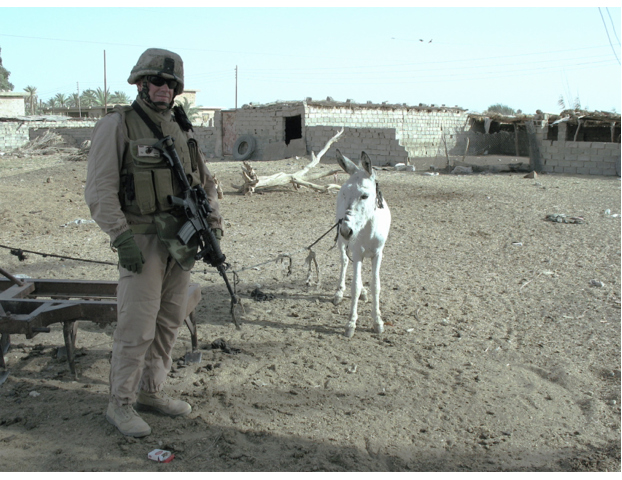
<point>587,158</point>
<point>379,143</point>
<point>419,130</point>
<point>207,137</point>
<point>590,158</point>
<point>266,124</point>
<point>17,134</point>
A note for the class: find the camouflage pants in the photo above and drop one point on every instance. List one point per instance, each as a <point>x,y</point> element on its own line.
<point>151,307</point>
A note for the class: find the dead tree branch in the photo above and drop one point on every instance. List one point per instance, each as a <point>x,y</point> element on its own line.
<point>303,177</point>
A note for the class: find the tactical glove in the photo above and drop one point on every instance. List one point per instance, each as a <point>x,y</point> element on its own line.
<point>130,256</point>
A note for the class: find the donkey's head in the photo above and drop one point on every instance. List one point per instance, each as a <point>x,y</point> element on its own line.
<point>357,199</point>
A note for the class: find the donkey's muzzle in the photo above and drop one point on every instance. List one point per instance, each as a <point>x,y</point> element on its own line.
<point>345,231</point>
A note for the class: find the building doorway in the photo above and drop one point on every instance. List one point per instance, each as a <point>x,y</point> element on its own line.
<point>293,128</point>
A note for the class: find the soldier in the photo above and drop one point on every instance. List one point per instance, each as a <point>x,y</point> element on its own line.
<point>127,189</point>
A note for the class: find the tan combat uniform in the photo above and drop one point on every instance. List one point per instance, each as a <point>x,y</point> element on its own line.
<point>150,305</point>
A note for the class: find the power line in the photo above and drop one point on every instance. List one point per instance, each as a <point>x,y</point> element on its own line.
<point>605,25</point>
<point>434,78</point>
<point>337,72</point>
<point>184,48</point>
<point>612,25</point>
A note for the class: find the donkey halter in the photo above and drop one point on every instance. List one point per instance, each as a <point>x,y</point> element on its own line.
<point>379,199</point>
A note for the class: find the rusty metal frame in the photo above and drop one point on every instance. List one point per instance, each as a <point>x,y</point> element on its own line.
<point>29,306</point>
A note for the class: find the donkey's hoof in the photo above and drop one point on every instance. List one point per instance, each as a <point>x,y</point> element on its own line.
<point>337,298</point>
<point>378,328</point>
<point>349,333</point>
<point>363,295</point>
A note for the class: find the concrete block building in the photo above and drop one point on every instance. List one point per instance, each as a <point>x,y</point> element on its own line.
<point>389,133</point>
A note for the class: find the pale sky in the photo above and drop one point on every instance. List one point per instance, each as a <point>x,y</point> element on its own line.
<point>525,58</point>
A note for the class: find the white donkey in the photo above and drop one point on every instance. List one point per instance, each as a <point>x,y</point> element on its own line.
<point>365,220</point>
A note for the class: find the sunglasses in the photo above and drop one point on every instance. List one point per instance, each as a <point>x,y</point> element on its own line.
<point>159,81</point>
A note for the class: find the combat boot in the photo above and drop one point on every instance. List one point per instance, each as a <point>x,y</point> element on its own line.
<point>127,420</point>
<point>162,403</point>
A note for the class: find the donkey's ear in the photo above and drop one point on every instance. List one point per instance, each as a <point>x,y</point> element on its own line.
<point>366,163</point>
<point>345,163</point>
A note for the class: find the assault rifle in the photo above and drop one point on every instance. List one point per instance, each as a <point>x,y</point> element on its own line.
<point>196,207</point>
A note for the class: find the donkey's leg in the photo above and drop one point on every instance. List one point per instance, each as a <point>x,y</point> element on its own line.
<point>357,285</point>
<point>375,291</point>
<point>342,277</point>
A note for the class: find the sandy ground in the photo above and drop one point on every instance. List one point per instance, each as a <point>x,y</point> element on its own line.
<point>498,354</point>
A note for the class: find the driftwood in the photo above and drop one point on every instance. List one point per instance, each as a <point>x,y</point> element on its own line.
<point>304,177</point>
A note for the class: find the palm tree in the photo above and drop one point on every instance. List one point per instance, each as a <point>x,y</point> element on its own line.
<point>74,100</point>
<point>191,110</point>
<point>119,97</point>
<point>100,97</point>
<point>61,100</point>
<point>52,103</point>
<point>31,101</point>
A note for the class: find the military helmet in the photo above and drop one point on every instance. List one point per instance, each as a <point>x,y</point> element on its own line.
<point>157,61</point>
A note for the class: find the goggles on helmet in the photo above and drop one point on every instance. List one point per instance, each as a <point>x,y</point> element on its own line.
<point>159,81</point>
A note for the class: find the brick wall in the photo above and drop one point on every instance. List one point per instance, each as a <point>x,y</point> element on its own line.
<point>419,130</point>
<point>589,158</point>
<point>208,139</point>
<point>379,143</point>
<point>17,134</point>
<point>12,104</point>
<point>266,124</point>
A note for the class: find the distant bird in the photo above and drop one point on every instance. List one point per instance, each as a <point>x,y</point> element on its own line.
<point>421,40</point>
<point>430,41</point>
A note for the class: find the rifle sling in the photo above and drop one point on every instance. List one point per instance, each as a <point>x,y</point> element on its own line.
<point>152,126</point>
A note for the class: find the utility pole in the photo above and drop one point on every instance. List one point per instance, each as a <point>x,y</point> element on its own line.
<point>236,87</point>
<point>79,109</point>
<point>105,88</point>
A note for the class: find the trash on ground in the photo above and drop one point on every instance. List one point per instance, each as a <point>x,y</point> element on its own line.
<point>596,283</point>
<point>462,170</point>
<point>561,218</point>
<point>259,296</point>
<point>34,394</point>
<point>431,174</point>
<point>404,167</point>
<point>517,244</point>
<point>161,456</point>
<point>78,221</point>
<point>222,345</point>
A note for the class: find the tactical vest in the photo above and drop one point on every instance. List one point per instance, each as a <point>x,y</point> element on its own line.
<point>146,178</point>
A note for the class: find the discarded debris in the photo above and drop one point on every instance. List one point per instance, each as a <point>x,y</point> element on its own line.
<point>79,221</point>
<point>160,456</point>
<point>259,296</point>
<point>222,345</point>
<point>561,218</point>
<point>459,170</point>
<point>51,143</point>
<point>596,283</point>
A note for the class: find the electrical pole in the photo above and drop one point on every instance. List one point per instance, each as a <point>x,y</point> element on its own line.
<point>79,109</point>
<point>105,88</point>
<point>236,87</point>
